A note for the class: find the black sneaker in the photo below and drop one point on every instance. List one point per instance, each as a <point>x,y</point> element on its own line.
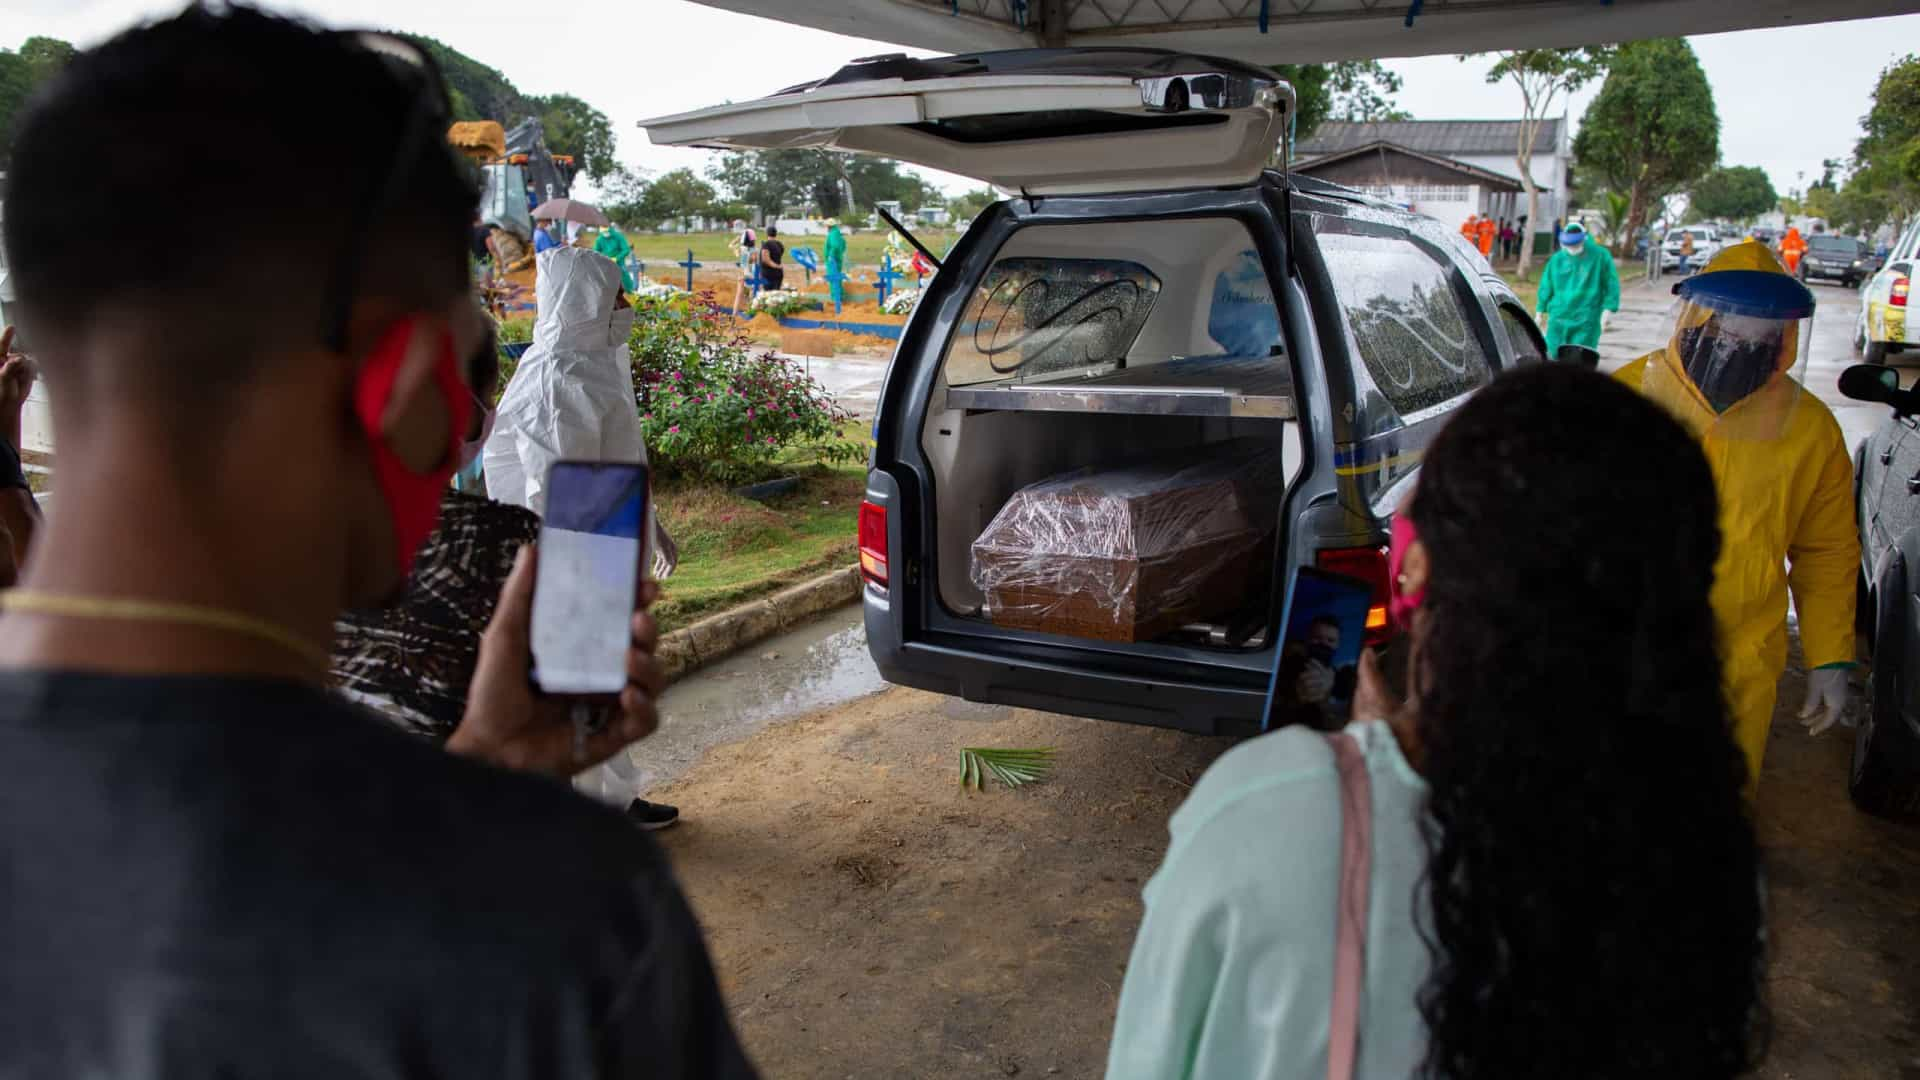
<point>651,815</point>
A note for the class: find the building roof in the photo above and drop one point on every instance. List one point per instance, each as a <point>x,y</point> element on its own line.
<point>1491,179</point>
<point>1448,138</point>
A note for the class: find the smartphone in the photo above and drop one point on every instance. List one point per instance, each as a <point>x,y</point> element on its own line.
<point>1316,669</point>
<point>593,558</point>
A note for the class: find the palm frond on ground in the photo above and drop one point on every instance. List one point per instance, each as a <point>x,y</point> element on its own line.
<point>1012,767</point>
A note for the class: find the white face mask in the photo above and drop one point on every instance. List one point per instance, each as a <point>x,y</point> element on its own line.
<point>620,328</point>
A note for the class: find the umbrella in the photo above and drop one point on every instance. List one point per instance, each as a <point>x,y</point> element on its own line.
<point>568,210</point>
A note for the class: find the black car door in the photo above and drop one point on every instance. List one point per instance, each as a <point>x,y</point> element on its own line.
<point>1896,510</point>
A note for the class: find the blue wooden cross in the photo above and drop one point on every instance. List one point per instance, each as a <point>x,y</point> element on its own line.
<point>808,259</point>
<point>886,276</point>
<point>689,264</point>
<point>636,266</point>
<point>753,280</point>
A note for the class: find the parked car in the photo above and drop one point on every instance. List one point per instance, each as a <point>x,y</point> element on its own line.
<point>1835,258</point>
<point>1153,294</point>
<point>1706,243</point>
<point>1882,329</point>
<point>1885,776</point>
<point>1766,235</point>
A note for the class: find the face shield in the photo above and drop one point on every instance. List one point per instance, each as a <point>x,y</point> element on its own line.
<point>1738,352</point>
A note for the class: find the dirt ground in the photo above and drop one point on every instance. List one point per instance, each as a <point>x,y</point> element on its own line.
<point>870,919</point>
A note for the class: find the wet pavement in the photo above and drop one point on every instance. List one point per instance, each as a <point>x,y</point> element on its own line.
<point>817,666</point>
<point>854,381</point>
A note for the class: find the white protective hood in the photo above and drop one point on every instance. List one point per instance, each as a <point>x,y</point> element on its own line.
<point>571,398</point>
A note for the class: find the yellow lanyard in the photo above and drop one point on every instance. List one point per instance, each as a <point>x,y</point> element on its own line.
<point>32,602</point>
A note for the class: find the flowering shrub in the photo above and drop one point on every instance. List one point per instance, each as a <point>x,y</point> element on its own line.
<point>900,301</point>
<point>778,302</point>
<point>713,410</point>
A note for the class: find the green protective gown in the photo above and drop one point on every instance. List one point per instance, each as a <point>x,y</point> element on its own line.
<point>1574,290</point>
<point>613,244</point>
<point>835,255</point>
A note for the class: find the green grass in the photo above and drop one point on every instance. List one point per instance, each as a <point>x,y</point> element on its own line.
<point>734,550</point>
<point>659,250</point>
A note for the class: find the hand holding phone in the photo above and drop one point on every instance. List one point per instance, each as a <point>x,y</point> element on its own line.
<point>508,724</point>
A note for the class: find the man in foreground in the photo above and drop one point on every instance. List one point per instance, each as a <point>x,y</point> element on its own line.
<point>213,866</point>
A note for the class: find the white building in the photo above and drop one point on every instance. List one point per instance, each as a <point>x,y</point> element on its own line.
<point>1446,169</point>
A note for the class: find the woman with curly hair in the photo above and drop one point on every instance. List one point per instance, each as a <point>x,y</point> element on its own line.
<point>1564,881</point>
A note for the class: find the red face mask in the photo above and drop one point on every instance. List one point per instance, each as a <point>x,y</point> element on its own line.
<point>1400,605</point>
<point>412,497</point>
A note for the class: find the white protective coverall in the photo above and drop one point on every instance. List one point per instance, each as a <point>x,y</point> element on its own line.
<point>571,398</point>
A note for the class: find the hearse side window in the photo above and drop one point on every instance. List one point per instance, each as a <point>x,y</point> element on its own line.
<point>1528,346</point>
<point>1034,317</point>
<point>1406,320</point>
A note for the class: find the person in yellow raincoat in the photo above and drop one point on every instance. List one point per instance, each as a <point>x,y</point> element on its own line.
<point>1785,483</point>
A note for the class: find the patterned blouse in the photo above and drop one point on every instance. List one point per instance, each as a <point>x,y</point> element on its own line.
<point>412,660</point>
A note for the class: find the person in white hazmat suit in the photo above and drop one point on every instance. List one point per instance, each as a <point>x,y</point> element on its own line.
<point>571,398</point>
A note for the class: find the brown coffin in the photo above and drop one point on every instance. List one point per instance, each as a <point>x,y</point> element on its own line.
<point>1130,554</point>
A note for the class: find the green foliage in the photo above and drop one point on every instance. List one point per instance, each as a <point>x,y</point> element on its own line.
<point>770,180</point>
<point>478,91</point>
<point>678,195</point>
<point>1886,158</point>
<point>576,128</point>
<point>1013,768</point>
<point>969,206</point>
<point>1652,130</point>
<point>1615,222</point>
<point>38,60</point>
<point>1737,193</point>
<point>1355,90</point>
<point>715,411</point>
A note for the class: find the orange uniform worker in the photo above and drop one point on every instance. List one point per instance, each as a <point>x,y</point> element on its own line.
<point>1792,246</point>
<point>1471,229</point>
<point>1485,233</point>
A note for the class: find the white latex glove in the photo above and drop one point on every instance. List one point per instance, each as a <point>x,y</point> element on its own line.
<point>1606,320</point>
<point>1826,699</point>
<point>1540,318</point>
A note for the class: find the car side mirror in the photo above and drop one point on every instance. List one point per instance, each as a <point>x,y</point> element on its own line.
<point>1875,383</point>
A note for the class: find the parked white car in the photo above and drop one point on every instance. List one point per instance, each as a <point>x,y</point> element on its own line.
<point>1706,244</point>
<point>1883,328</point>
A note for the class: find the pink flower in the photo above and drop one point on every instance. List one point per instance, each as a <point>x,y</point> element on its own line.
<point>749,412</point>
<point>676,376</point>
<point>674,430</point>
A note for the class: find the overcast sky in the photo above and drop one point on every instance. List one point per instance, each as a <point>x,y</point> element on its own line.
<point>1787,97</point>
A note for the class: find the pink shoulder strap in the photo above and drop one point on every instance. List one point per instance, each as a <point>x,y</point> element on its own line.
<point>1350,935</point>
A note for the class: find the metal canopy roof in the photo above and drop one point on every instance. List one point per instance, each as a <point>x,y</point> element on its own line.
<point>1297,31</point>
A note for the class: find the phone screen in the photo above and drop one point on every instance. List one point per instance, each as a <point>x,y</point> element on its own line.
<point>1316,669</point>
<point>591,554</point>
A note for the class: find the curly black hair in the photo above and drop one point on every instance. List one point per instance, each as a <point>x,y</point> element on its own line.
<point>1593,879</point>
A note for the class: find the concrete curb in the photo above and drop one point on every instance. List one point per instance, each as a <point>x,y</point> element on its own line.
<point>717,637</point>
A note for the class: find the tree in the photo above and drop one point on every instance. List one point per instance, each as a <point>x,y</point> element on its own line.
<point>770,180</point>
<point>38,60</point>
<point>1652,130</point>
<point>678,195</point>
<point>1542,75</point>
<point>579,130</point>
<point>1354,90</point>
<point>1738,194</point>
<point>1615,222</point>
<point>969,206</point>
<point>1886,159</point>
<point>623,198</point>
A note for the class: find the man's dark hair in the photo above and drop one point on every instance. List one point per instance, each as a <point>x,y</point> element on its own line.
<point>772,231</point>
<point>1324,620</point>
<point>272,137</point>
